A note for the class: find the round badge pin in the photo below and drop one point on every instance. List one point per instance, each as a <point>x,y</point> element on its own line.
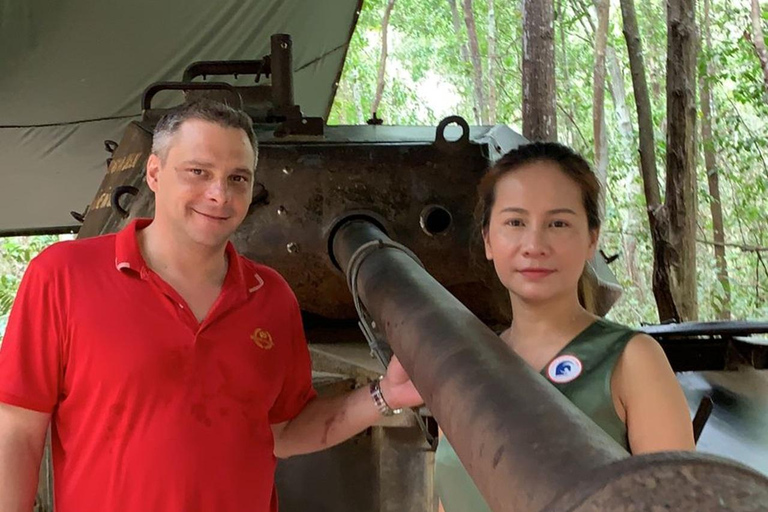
<point>564,369</point>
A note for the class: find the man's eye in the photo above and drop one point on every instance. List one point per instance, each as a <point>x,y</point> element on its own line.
<point>239,179</point>
<point>196,172</point>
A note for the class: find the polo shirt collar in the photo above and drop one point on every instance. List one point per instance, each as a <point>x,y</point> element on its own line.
<point>128,258</point>
<point>127,253</point>
<point>235,280</point>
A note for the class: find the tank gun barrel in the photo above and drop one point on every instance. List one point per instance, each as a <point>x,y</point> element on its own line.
<point>526,447</point>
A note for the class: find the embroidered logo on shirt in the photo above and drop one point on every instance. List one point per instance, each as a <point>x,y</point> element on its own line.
<point>262,339</point>
<point>564,369</point>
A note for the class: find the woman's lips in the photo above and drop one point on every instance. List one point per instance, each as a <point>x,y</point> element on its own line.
<point>536,273</point>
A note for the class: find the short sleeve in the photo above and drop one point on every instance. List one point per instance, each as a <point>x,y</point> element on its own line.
<point>297,390</point>
<point>30,353</point>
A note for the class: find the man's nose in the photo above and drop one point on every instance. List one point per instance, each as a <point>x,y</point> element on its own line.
<point>218,191</point>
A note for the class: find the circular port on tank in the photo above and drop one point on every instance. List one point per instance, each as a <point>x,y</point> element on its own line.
<point>350,216</point>
<point>435,220</point>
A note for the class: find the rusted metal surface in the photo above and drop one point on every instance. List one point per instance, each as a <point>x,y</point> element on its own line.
<point>312,187</point>
<point>387,468</point>
<point>126,168</point>
<point>266,104</point>
<point>323,481</point>
<point>703,412</point>
<point>731,328</point>
<point>422,188</point>
<point>206,68</point>
<point>737,427</point>
<point>384,469</point>
<point>305,187</point>
<point>230,97</point>
<point>405,471</point>
<point>713,345</point>
<point>668,481</point>
<point>526,447</point>
<point>281,62</point>
<point>419,185</point>
<point>506,424</point>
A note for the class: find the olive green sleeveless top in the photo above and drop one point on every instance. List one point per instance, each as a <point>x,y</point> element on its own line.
<point>582,371</point>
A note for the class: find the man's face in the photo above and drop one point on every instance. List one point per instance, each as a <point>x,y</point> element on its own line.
<point>203,186</point>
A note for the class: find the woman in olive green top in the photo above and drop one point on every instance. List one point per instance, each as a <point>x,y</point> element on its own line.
<point>540,224</point>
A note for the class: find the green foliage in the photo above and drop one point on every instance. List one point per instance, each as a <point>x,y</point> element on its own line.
<point>15,255</point>
<point>425,63</point>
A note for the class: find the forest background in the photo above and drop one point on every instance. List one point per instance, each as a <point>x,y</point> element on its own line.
<point>465,57</point>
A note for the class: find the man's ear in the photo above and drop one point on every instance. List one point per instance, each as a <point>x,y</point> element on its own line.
<point>153,168</point>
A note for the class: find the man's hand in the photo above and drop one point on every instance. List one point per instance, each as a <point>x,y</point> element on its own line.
<point>397,388</point>
<point>327,421</point>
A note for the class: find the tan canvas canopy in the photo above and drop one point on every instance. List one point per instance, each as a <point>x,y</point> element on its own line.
<point>72,75</point>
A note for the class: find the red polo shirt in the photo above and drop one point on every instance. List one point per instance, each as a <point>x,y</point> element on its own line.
<point>153,411</point>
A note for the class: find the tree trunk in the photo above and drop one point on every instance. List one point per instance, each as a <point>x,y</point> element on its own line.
<point>357,99</point>
<point>618,93</point>
<point>463,51</point>
<point>657,218</point>
<point>567,131</point>
<point>615,78</point>
<point>457,28</point>
<point>382,58</point>
<point>629,245</point>
<point>598,97</point>
<point>722,304</point>
<point>477,63</point>
<point>539,97</point>
<point>491,62</point>
<point>759,41</point>
<point>681,196</point>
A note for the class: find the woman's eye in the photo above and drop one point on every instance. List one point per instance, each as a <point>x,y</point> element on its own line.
<point>559,224</point>
<point>514,222</point>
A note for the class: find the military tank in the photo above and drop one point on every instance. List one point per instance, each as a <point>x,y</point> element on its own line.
<point>415,185</point>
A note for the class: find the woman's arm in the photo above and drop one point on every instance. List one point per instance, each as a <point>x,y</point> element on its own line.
<point>657,414</point>
<point>439,502</point>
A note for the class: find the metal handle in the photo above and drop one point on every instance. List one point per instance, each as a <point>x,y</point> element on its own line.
<point>119,192</point>
<point>227,67</point>
<point>440,139</point>
<point>152,90</point>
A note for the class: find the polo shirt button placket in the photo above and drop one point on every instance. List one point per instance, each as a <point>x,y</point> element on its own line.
<point>182,311</point>
<point>187,316</point>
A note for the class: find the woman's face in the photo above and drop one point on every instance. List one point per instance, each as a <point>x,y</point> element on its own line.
<point>538,236</point>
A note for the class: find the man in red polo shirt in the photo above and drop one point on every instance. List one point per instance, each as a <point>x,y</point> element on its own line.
<point>171,369</point>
